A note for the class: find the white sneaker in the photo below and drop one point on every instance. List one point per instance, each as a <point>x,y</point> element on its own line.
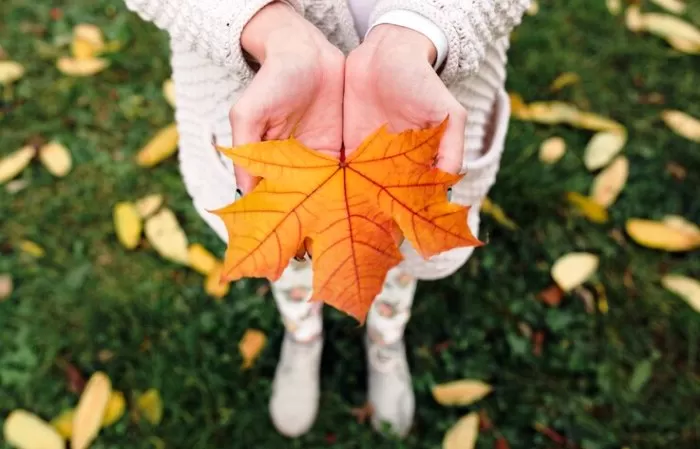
<point>295,389</point>
<point>390,386</point>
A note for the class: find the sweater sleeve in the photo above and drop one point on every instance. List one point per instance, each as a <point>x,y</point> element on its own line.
<point>471,26</point>
<point>211,28</point>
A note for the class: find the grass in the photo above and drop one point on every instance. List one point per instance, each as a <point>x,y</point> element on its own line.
<point>626,378</point>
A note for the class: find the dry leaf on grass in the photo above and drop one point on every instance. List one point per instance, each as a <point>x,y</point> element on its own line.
<point>31,248</point>
<point>683,124</point>
<point>355,210</point>
<point>587,207</point>
<point>685,287</point>
<point>10,71</point>
<point>116,405</point>
<point>557,112</point>
<point>63,423</point>
<point>148,205</point>
<point>13,164</point>
<point>161,146</point>
<point>552,149</point>
<point>252,342</point>
<point>5,286</point>
<point>169,92</point>
<point>87,42</point>
<point>674,6</point>
<point>661,235</point>
<point>214,285</point>
<point>551,295</point>
<point>167,237</point>
<point>684,45</point>
<point>681,224</point>
<point>128,224</point>
<point>534,8</point>
<point>496,212</point>
<point>25,430</point>
<point>150,406</point>
<point>609,183</point>
<point>602,148</point>
<point>460,392</point>
<point>563,80</point>
<point>81,67</point>
<point>90,410</point>
<point>56,158</point>
<point>463,434</point>
<point>573,269</point>
<point>633,18</point>
<point>201,260</point>
<point>614,6</point>
<point>668,26</point>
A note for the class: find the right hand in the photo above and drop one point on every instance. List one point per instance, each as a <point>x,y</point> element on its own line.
<point>299,86</point>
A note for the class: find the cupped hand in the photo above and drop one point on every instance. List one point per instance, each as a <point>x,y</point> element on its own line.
<point>389,79</point>
<point>299,87</point>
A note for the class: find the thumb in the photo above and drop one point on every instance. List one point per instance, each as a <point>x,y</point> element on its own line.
<point>451,151</point>
<point>245,129</point>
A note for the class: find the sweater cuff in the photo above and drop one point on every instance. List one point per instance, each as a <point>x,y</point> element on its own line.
<point>242,17</point>
<point>417,22</point>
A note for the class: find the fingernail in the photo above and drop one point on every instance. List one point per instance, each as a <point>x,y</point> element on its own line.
<point>449,194</point>
<point>239,194</point>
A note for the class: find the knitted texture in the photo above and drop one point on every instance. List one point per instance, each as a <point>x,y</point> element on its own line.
<point>209,75</point>
<point>471,26</point>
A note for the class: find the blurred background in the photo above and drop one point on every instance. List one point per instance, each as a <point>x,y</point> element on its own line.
<point>588,351</point>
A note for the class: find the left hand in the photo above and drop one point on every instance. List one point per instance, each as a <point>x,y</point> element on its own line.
<point>389,79</point>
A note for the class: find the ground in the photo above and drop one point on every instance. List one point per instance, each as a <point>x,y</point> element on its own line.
<point>626,378</point>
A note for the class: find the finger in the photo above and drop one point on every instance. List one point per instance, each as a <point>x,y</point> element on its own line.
<point>451,151</point>
<point>245,129</point>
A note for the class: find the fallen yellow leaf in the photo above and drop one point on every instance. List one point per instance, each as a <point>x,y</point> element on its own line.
<point>553,112</point>
<point>602,148</point>
<point>659,235</point>
<point>87,41</point>
<point>518,107</point>
<point>5,286</point>
<point>557,112</point>
<point>150,405</point>
<point>684,45</point>
<point>685,287</point>
<point>497,213</point>
<point>614,6</point>
<point>460,392</point>
<point>201,259</point>
<point>13,164</point>
<point>683,124</point>
<point>81,67</point>
<point>668,26</point>
<point>251,344</point>
<point>149,204</point>
<point>167,237</point>
<point>633,18</point>
<point>683,225</point>
<point>674,6</point>
<point>31,248</point>
<point>587,207</point>
<point>90,410</point>
<point>573,269</point>
<point>127,224</point>
<point>56,158</point>
<point>534,8</point>
<point>10,71</point>
<point>169,92</point>
<point>610,182</point>
<point>63,423</point>
<point>596,122</point>
<point>213,284</point>
<point>25,430</point>
<point>160,147</point>
<point>552,149</point>
<point>115,408</point>
<point>563,80</point>
<point>463,434</point>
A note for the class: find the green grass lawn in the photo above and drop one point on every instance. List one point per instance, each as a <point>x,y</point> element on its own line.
<point>626,378</point>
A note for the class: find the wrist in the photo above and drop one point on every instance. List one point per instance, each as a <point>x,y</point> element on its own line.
<point>399,38</point>
<point>275,25</point>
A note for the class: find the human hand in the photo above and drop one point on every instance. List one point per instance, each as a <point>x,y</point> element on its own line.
<point>389,79</point>
<point>298,88</point>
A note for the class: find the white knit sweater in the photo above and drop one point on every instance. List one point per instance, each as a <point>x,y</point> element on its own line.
<point>209,73</point>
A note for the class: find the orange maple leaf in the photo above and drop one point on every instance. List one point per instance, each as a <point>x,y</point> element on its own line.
<point>354,210</point>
